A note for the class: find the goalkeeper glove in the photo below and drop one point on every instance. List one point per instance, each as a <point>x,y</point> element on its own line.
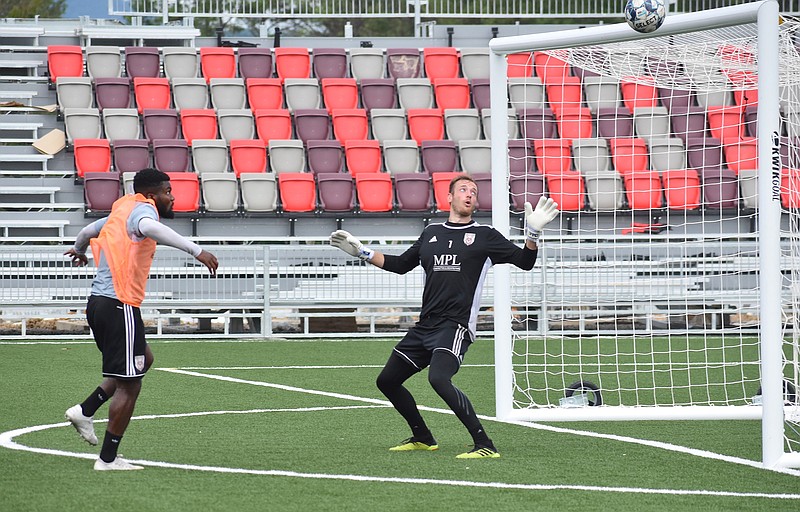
<point>350,244</point>
<point>535,220</point>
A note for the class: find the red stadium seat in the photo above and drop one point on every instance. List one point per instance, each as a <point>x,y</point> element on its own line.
<point>639,92</point>
<point>362,156</point>
<point>520,64</point>
<point>628,155</point>
<point>264,93</point>
<point>725,122</point>
<point>374,191</point>
<point>338,93</point>
<point>681,189</point>
<point>574,122</point>
<point>152,93</point>
<point>790,188</point>
<point>550,68</point>
<point>64,61</point>
<point>552,156</point>
<point>565,94</point>
<point>425,124</point>
<point>217,62</point>
<point>451,92</point>
<point>741,154</point>
<point>440,62</point>
<point>441,189</point>
<point>292,62</point>
<point>273,124</point>
<point>92,155</point>
<point>644,190</point>
<point>298,191</point>
<point>350,124</point>
<point>568,190</point>
<point>186,190</point>
<point>198,124</point>
<point>248,155</point>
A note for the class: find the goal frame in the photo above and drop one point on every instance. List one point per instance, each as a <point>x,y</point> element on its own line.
<point>766,15</point>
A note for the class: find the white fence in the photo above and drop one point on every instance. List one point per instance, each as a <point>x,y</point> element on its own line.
<point>470,9</point>
<point>312,289</point>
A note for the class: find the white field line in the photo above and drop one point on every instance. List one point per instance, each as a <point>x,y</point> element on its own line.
<point>7,441</point>
<point>539,426</point>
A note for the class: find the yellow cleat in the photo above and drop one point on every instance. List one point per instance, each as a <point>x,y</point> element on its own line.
<point>482,452</point>
<point>412,444</point>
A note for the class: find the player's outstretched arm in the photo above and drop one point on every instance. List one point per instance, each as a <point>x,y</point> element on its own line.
<point>209,260</point>
<point>79,259</point>
<point>162,234</point>
<point>78,251</point>
<point>343,240</point>
<point>536,219</point>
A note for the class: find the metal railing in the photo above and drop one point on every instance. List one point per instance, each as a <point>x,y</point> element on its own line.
<point>462,9</point>
<point>288,289</point>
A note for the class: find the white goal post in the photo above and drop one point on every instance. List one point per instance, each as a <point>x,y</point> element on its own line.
<point>708,373</point>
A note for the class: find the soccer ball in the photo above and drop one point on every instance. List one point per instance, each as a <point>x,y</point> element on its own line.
<point>645,15</point>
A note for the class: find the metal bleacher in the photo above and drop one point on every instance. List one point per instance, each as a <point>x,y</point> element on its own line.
<point>277,275</point>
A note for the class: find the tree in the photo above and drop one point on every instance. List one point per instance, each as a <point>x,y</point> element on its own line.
<point>32,8</point>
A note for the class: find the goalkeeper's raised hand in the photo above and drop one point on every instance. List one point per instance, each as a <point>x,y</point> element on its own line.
<point>351,245</point>
<point>535,220</point>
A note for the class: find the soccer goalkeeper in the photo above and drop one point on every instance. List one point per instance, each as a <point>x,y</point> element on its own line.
<point>455,256</point>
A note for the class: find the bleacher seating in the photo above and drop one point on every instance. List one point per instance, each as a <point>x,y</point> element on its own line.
<point>376,122</point>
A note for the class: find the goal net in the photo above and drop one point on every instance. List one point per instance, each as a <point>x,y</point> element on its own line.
<point>665,289</point>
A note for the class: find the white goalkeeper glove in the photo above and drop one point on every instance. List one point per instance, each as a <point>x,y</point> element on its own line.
<point>351,245</point>
<point>535,220</point>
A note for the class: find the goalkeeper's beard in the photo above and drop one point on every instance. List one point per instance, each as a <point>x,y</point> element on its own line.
<point>464,211</point>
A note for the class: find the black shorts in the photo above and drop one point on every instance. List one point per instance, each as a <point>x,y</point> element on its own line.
<point>426,337</point>
<point>118,331</point>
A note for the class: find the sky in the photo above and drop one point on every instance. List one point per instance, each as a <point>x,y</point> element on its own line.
<point>91,8</point>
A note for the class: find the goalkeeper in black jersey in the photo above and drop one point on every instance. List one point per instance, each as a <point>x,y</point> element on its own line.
<point>455,256</point>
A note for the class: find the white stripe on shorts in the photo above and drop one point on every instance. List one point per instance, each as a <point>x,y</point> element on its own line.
<point>130,336</point>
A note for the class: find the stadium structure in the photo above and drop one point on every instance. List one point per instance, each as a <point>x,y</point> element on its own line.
<point>676,170</point>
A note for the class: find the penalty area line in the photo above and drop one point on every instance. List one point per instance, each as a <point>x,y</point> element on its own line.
<point>7,441</point>
<point>538,426</point>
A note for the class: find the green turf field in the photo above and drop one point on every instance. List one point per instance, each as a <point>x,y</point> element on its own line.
<point>299,425</point>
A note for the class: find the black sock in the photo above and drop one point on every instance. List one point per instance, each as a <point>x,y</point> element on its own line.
<point>423,434</point>
<point>93,402</point>
<point>480,438</point>
<point>110,447</point>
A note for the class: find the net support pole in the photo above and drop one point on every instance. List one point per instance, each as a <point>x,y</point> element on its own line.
<point>503,383</point>
<point>769,221</point>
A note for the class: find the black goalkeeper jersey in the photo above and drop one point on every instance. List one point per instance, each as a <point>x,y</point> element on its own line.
<point>455,258</point>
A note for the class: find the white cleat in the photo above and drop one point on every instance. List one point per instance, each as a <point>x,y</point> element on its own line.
<point>83,424</point>
<point>118,464</point>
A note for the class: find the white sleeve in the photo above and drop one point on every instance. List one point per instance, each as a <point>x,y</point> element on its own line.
<point>87,233</point>
<point>165,235</point>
